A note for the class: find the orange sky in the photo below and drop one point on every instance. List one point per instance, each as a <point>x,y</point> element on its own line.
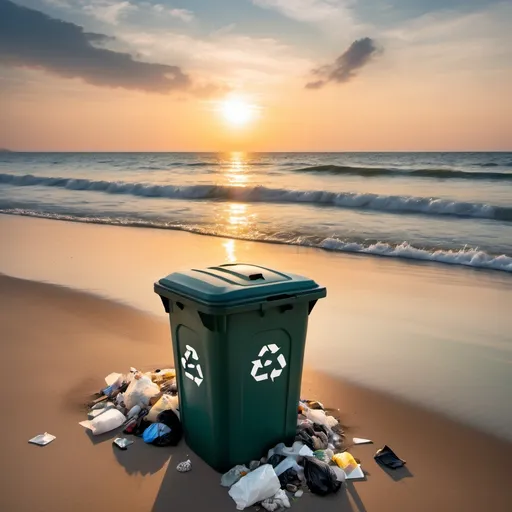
<point>436,83</point>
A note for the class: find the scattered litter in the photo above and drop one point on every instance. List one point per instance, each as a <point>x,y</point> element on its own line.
<point>122,443</point>
<point>172,421</point>
<point>164,403</point>
<point>356,474</point>
<point>360,440</point>
<point>185,466</point>
<point>147,405</point>
<point>286,464</point>
<point>42,439</point>
<point>233,475</point>
<point>324,455</point>
<point>279,500</point>
<point>260,484</point>
<point>105,422</point>
<point>155,431</point>
<point>320,478</point>
<point>112,378</point>
<point>340,474</point>
<point>139,391</point>
<point>314,404</point>
<point>345,461</point>
<point>389,458</point>
<point>94,413</point>
<point>134,412</point>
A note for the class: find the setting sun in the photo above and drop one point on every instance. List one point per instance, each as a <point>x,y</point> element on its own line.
<point>237,111</point>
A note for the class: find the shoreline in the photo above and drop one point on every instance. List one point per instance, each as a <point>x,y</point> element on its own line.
<point>74,339</point>
<point>421,256</point>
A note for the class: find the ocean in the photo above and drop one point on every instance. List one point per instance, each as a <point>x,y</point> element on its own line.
<point>450,208</point>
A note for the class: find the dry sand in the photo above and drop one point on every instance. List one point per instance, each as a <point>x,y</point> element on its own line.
<point>58,344</point>
<point>436,335</point>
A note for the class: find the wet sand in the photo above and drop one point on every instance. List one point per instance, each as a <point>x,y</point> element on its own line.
<point>57,346</point>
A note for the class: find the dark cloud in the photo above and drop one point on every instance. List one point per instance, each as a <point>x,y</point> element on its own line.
<point>345,67</point>
<point>31,39</point>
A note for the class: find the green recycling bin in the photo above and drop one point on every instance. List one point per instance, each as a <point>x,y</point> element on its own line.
<point>238,334</point>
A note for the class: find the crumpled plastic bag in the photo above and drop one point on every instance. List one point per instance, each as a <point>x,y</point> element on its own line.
<point>233,475</point>
<point>298,449</point>
<point>320,478</point>
<point>165,403</point>
<point>319,416</point>
<point>279,500</point>
<point>109,420</point>
<point>289,463</point>
<point>139,392</point>
<point>260,484</point>
<point>155,431</point>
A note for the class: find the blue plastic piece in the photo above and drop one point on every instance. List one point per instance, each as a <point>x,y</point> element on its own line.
<point>155,430</point>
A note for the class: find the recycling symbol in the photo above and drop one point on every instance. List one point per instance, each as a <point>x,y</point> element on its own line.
<point>188,365</point>
<point>258,364</point>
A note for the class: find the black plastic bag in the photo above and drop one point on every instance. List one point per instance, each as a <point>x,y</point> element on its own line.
<point>305,434</point>
<point>170,419</point>
<point>275,460</point>
<point>389,458</point>
<point>288,477</point>
<point>320,478</point>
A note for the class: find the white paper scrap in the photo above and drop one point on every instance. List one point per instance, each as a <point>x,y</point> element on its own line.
<point>360,440</point>
<point>42,439</point>
<point>357,473</point>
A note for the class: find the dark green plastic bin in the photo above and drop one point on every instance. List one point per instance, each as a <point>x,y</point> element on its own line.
<point>238,334</point>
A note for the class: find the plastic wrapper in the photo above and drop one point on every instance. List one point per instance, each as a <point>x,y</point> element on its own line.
<point>42,439</point>
<point>260,484</point>
<point>139,392</point>
<point>233,475</point>
<point>105,422</point>
<point>122,443</point>
<point>165,403</point>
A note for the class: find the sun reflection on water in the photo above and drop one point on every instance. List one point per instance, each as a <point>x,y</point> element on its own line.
<point>236,172</point>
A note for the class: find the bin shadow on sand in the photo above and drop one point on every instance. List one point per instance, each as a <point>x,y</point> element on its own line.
<point>142,458</point>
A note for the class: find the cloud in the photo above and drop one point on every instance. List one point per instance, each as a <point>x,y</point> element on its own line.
<point>181,14</point>
<point>306,10</point>
<point>31,39</point>
<point>345,67</point>
<point>109,12</point>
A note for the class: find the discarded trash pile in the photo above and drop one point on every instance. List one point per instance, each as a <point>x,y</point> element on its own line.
<point>145,404</point>
<point>315,461</point>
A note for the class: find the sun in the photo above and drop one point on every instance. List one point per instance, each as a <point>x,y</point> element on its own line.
<point>237,111</point>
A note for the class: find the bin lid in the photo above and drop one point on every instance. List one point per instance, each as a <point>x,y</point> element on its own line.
<point>236,283</point>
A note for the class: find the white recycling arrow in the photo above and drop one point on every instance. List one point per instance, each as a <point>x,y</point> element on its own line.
<point>257,364</point>
<point>190,352</point>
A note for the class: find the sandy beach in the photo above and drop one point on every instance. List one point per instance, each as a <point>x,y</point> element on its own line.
<point>58,343</point>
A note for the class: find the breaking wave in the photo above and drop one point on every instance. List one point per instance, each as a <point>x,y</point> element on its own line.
<point>468,257</point>
<point>419,173</point>
<point>261,194</point>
